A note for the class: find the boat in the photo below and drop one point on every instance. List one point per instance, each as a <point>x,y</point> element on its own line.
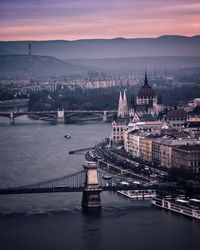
<point>67,136</point>
<point>125,183</point>
<point>137,182</point>
<point>138,194</point>
<point>107,177</point>
<point>188,207</point>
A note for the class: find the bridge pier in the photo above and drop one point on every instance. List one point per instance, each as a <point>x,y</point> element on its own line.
<point>61,116</point>
<point>105,119</point>
<point>91,193</point>
<point>12,119</point>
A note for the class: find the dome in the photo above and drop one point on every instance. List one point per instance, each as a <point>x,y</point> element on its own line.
<point>146,91</point>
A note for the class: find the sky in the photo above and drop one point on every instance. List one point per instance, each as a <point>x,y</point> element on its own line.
<point>90,19</point>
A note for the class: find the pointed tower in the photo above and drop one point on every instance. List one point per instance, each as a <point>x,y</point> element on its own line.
<point>125,104</point>
<point>145,78</point>
<point>146,94</point>
<point>120,106</point>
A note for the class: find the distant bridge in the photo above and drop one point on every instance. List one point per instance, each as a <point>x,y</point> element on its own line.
<point>60,115</point>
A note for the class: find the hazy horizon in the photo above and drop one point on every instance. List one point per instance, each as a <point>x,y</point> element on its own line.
<point>100,38</point>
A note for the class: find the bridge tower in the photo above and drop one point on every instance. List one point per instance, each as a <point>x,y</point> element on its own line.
<point>12,119</point>
<point>91,194</point>
<point>105,116</point>
<point>61,116</point>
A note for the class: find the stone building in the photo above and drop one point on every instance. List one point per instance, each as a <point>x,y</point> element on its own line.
<point>176,118</point>
<point>119,125</point>
<point>118,128</point>
<point>148,106</point>
<point>131,142</point>
<point>162,149</point>
<point>187,156</point>
<point>148,147</point>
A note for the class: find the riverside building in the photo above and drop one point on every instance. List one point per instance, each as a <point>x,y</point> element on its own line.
<point>187,156</point>
<point>147,108</point>
<point>159,148</point>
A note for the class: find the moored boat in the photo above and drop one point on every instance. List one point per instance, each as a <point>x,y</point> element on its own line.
<point>189,207</point>
<point>107,177</point>
<point>138,194</point>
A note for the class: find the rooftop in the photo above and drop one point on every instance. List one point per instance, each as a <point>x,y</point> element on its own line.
<point>177,113</point>
<point>191,148</point>
<point>147,117</point>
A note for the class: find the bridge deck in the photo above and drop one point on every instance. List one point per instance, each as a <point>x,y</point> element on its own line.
<point>76,183</point>
<point>7,191</point>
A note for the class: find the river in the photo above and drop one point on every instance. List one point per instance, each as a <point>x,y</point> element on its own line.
<point>33,151</point>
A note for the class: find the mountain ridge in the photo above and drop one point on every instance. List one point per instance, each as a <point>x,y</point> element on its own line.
<point>167,45</point>
<point>93,39</point>
<point>24,65</point>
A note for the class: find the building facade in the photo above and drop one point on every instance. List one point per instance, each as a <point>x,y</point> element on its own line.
<point>176,118</point>
<point>118,128</point>
<point>187,156</point>
<point>119,125</point>
<point>147,106</point>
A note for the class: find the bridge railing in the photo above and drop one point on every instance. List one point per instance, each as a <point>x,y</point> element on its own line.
<point>76,183</point>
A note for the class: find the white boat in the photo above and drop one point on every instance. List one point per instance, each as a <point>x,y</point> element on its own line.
<point>107,177</point>
<point>67,136</point>
<point>138,194</point>
<point>137,182</point>
<point>189,207</point>
<point>125,183</point>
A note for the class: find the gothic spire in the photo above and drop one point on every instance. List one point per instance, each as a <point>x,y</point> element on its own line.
<point>120,106</point>
<point>120,97</point>
<point>125,104</point>
<point>124,98</point>
<point>145,79</point>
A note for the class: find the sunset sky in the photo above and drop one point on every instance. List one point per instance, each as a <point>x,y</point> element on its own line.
<point>85,19</point>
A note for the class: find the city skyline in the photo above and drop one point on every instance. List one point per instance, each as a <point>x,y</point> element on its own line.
<point>91,19</point>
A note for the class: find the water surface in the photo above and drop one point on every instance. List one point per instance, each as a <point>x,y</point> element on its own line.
<point>36,151</point>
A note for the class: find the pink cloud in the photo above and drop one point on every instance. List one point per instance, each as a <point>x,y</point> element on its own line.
<point>97,19</point>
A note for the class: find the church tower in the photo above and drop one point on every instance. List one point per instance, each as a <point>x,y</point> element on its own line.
<point>125,105</point>
<point>120,112</point>
<point>120,122</point>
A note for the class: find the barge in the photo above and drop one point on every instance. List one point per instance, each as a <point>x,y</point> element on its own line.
<point>188,207</point>
<point>138,194</point>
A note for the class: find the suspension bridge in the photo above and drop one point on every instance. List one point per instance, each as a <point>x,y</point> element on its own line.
<point>89,181</point>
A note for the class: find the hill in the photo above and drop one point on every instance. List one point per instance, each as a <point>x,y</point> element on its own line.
<point>108,48</point>
<point>140,63</point>
<point>24,66</point>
